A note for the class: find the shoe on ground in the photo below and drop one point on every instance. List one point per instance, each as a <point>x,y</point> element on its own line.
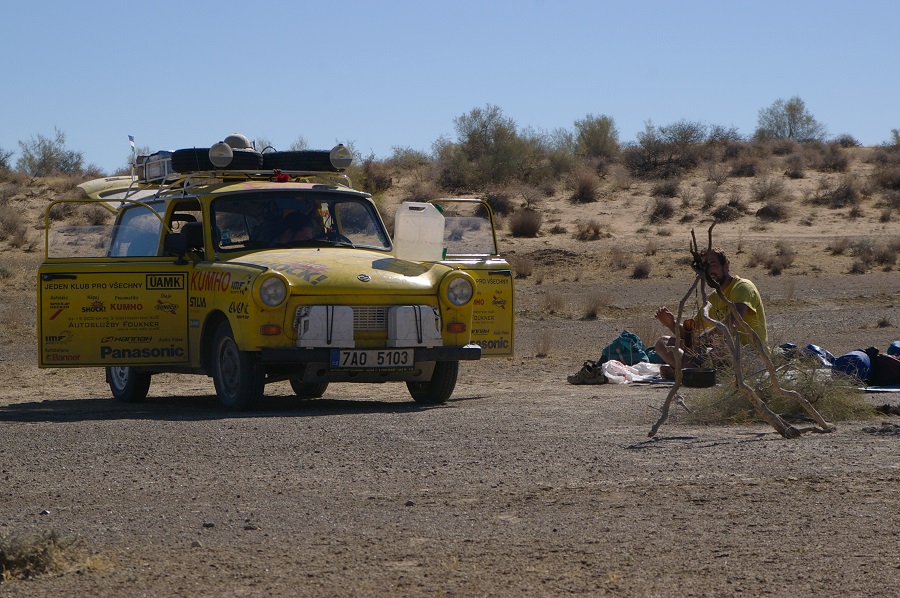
<point>590,373</point>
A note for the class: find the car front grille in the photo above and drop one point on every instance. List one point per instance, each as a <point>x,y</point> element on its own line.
<point>370,317</point>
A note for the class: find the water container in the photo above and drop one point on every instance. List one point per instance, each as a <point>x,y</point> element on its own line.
<point>419,232</point>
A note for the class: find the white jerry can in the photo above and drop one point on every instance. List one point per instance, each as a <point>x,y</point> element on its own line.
<point>419,232</point>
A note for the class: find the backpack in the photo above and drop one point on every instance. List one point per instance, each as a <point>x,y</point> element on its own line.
<point>627,348</point>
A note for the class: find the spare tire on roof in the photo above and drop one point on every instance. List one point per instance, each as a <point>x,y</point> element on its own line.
<point>196,159</point>
<point>316,160</point>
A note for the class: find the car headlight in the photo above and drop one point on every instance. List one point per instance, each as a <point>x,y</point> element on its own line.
<point>272,291</point>
<point>460,291</point>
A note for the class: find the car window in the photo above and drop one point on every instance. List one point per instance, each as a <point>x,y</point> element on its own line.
<point>137,233</point>
<point>244,221</point>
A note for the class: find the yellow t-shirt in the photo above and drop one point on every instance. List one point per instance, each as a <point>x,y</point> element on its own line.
<point>740,290</point>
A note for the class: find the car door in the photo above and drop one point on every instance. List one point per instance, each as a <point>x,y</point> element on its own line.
<point>470,240</point>
<point>106,297</point>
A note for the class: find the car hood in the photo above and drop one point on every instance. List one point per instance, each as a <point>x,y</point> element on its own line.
<point>357,271</point>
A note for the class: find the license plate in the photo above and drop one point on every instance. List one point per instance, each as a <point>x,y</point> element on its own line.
<point>372,359</point>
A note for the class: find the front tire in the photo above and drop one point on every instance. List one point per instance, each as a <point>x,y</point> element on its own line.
<point>239,379</point>
<point>127,385</point>
<point>308,390</point>
<point>437,390</point>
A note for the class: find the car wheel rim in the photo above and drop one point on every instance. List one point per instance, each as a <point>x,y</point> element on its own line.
<point>229,367</point>
<point>119,377</point>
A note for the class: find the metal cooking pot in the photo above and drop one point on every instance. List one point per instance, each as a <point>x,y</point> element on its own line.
<point>698,377</point>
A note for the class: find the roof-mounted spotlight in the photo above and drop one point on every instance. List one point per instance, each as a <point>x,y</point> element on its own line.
<point>221,154</point>
<point>340,157</point>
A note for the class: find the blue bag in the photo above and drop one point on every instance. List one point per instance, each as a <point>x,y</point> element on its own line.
<point>627,348</point>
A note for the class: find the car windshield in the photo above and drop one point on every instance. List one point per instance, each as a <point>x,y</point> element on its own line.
<point>294,219</point>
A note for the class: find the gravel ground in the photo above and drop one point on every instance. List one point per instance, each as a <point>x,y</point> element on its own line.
<point>521,484</point>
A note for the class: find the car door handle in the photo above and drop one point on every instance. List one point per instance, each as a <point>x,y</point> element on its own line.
<point>500,272</point>
<point>58,277</point>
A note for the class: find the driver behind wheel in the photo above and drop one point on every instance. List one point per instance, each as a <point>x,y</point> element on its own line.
<point>297,226</point>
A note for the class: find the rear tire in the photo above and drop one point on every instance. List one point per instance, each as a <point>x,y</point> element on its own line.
<point>308,390</point>
<point>127,385</point>
<point>437,390</point>
<point>240,381</point>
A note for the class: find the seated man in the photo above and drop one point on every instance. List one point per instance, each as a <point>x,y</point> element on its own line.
<point>297,226</point>
<point>739,291</point>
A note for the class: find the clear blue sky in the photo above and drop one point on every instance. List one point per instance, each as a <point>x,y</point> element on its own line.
<point>386,74</point>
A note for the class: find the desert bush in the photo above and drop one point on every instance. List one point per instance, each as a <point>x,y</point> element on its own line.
<point>783,147</point>
<point>687,195</point>
<point>835,398</point>
<point>839,246</point>
<point>846,140</point>
<point>404,158</point>
<point>25,556</point>
<point>774,210</point>
<point>584,185</point>
<point>665,188</point>
<point>794,167</point>
<point>885,216</point>
<point>376,175</point>
<point>887,177</point>
<point>767,188</point>
<point>717,173</point>
<point>708,193</point>
<point>641,270</point>
<point>500,200</point>
<point>662,210</point>
<point>554,302</point>
<point>558,229</point>
<point>525,223</point>
<point>42,156</point>
<point>746,167</point>
<point>618,258</point>
<point>829,158</point>
<point>839,195</point>
<point>734,150</point>
<point>522,266</point>
<point>94,215</point>
<point>589,231</point>
<point>5,165</point>
<point>6,272</point>
<point>885,255</point>
<point>597,137</point>
<point>11,224</point>
<point>594,306</point>
<point>421,190</point>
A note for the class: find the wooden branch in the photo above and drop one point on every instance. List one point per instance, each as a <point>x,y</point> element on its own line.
<point>731,336</point>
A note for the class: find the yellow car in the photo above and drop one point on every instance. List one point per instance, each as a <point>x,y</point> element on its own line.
<point>255,268</point>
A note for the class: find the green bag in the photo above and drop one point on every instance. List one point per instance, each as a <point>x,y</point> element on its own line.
<point>627,348</point>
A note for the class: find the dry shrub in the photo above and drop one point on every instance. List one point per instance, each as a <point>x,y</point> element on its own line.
<point>746,167</point>
<point>618,258</point>
<point>767,188</point>
<point>589,231</point>
<point>594,306</point>
<point>11,224</point>
<point>828,158</point>
<point>784,147</point>
<point>687,194</point>
<point>422,190</point>
<point>641,270</point>
<point>663,209</point>
<point>839,195</point>
<point>709,192</point>
<point>585,185</point>
<point>558,229</point>
<point>29,555</point>
<point>619,178</point>
<point>887,177</point>
<point>734,209</point>
<point>839,246</point>
<point>6,272</point>
<point>794,166</point>
<point>500,201</point>
<point>522,266</point>
<point>94,215</point>
<point>775,210</point>
<point>554,302</point>
<point>885,255</point>
<point>835,398</point>
<point>525,223</point>
<point>665,188</point>
<point>716,173</point>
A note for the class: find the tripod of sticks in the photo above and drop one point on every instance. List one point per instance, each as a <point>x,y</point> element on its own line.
<point>701,269</point>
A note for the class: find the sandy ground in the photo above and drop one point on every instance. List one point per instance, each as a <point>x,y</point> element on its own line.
<point>520,485</point>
